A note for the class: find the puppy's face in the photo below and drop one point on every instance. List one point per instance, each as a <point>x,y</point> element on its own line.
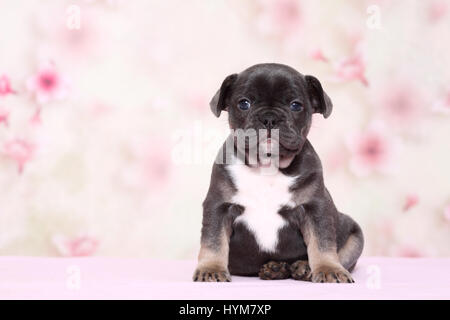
<point>273,96</point>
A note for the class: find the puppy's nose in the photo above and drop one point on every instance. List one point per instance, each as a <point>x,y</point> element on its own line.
<point>269,120</point>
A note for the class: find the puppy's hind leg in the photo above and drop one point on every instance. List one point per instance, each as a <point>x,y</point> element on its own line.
<point>350,241</point>
<point>274,270</point>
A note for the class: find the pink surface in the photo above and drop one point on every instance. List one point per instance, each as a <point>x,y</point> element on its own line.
<point>113,278</point>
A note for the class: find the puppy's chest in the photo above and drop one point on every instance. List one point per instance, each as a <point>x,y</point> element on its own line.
<point>262,196</point>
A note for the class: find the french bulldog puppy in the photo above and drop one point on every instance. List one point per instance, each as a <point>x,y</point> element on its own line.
<point>269,213</point>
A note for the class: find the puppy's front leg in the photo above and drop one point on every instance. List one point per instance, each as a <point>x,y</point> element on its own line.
<point>216,231</point>
<point>319,233</point>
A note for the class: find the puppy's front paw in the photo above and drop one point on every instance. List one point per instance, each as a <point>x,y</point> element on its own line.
<point>211,275</point>
<point>331,274</point>
<point>300,270</point>
<point>274,271</point>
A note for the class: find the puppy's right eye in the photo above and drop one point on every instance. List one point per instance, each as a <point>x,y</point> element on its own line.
<point>244,104</point>
<point>296,106</point>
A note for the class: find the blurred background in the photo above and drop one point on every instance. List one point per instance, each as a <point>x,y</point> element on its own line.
<point>107,140</point>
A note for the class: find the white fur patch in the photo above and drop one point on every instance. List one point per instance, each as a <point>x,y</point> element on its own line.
<point>262,195</point>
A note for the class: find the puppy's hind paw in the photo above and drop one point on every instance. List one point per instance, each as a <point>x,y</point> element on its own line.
<point>274,271</point>
<point>300,270</point>
<point>207,275</point>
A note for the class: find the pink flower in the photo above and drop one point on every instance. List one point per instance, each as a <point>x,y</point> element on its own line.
<point>152,168</point>
<point>408,251</point>
<point>387,229</point>
<point>443,104</point>
<point>437,10</point>
<point>83,40</point>
<point>36,117</point>
<point>317,54</point>
<point>5,86</point>
<point>352,68</point>
<point>447,213</point>
<point>20,151</point>
<point>48,85</point>
<point>75,247</point>
<point>371,151</point>
<point>336,159</point>
<point>280,17</point>
<point>401,103</point>
<point>197,101</point>
<point>4,116</point>
<point>410,201</point>
<point>99,109</point>
<point>157,166</point>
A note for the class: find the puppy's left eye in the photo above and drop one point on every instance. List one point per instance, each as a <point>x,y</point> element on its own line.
<point>296,106</point>
<point>244,104</point>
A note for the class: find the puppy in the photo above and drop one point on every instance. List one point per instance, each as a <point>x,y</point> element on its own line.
<point>269,213</point>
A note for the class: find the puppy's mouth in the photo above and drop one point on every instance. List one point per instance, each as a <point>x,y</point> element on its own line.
<point>272,152</point>
<point>289,148</point>
<point>271,146</point>
<point>262,148</point>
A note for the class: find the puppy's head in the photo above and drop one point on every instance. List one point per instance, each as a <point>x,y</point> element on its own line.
<point>273,96</point>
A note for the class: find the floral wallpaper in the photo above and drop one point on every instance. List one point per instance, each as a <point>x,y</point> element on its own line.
<point>107,140</point>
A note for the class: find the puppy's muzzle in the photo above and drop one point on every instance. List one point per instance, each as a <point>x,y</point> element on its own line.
<point>269,120</point>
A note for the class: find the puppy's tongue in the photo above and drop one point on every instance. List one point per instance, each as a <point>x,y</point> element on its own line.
<point>265,161</point>
<point>267,148</point>
<point>268,165</point>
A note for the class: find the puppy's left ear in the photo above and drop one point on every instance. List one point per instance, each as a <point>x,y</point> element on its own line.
<point>320,101</point>
<point>217,103</point>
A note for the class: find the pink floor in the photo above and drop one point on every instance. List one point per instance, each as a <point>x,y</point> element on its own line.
<point>112,278</point>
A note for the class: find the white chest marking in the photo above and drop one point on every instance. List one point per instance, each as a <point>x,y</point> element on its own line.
<point>262,195</point>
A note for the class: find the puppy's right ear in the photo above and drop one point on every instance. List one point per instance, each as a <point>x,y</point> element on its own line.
<point>321,102</point>
<point>217,103</point>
